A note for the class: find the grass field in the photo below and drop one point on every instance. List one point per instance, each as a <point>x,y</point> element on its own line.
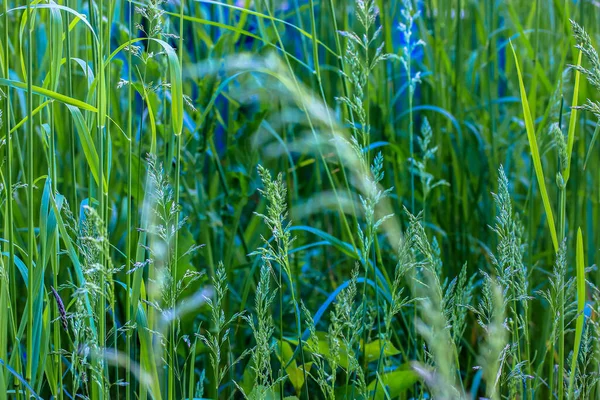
<point>294,199</point>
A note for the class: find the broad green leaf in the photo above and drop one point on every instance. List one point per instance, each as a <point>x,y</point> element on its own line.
<point>295,373</point>
<point>263,393</point>
<point>395,382</point>
<point>373,350</point>
<point>324,349</point>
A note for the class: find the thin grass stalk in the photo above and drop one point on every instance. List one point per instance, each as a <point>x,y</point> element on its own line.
<point>30,184</point>
<point>101,307</point>
<point>366,145</point>
<point>346,91</point>
<point>178,138</point>
<point>580,271</point>
<point>106,217</point>
<point>142,236</point>
<point>561,323</point>
<point>411,140</point>
<point>281,338</point>
<point>301,26</point>
<point>69,123</point>
<point>129,255</point>
<point>322,91</point>
<point>10,265</point>
<point>55,244</point>
<point>8,226</point>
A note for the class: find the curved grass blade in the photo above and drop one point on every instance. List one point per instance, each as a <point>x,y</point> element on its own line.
<point>535,154</point>
<point>87,142</point>
<point>174,76</point>
<point>48,93</point>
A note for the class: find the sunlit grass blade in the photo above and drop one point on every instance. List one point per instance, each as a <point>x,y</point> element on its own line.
<point>535,154</point>
<point>49,93</point>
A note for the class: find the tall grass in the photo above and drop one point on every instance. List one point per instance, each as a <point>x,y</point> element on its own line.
<point>353,199</point>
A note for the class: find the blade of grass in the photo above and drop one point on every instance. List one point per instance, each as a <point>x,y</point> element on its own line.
<point>573,120</point>
<point>592,143</point>
<point>48,93</point>
<point>30,185</point>
<point>580,267</point>
<point>535,154</point>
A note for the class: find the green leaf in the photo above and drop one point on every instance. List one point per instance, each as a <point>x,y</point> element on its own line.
<point>395,382</point>
<point>263,393</point>
<point>592,143</point>
<point>176,87</point>
<point>373,350</point>
<point>580,267</point>
<point>147,357</point>
<point>324,349</point>
<point>573,120</point>
<point>174,77</point>
<point>295,373</point>
<point>87,143</point>
<point>535,154</point>
<point>56,41</point>
<point>49,93</point>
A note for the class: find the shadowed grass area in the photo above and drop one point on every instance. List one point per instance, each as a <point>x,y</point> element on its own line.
<point>338,199</point>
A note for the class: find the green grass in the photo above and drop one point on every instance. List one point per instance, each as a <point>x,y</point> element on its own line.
<point>333,199</point>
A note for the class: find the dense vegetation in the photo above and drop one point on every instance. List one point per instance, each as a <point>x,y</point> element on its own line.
<point>349,199</point>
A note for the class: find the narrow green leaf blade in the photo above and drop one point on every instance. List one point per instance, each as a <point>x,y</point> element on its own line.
<point>580,267</point>
<point>535,154</point>
<point>573,119</point>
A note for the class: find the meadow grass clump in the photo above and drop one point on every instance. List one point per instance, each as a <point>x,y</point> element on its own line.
<point>438,161</point>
